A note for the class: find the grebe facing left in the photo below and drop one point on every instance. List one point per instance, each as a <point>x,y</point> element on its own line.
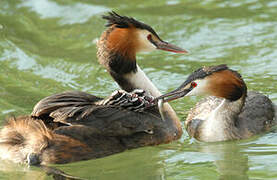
<point>229,113</point>
<point>74,126</point>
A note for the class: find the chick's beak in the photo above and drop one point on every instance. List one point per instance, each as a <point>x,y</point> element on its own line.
<point>169,47</point>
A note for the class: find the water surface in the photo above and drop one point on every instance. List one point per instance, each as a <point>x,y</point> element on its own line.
<point>48,46</point>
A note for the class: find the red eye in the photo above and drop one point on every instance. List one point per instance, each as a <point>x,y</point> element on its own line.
<point>149,37</point>
<point>194,84</point>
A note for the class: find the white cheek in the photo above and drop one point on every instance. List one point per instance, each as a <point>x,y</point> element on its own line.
<point>200,89</point>
<point>144,44</point>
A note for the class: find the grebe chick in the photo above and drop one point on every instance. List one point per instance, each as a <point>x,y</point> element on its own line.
<point>229,113</point>
<point>73,126</point>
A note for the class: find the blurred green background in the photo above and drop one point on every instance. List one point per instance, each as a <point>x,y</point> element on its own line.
<point>49,46</point>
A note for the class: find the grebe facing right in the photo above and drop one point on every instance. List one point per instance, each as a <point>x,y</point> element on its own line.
<point>229,113</point>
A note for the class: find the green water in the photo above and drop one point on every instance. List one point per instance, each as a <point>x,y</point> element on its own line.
<point>48,47</point>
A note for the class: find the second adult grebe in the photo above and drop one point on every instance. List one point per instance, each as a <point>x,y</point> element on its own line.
<point>229,112</point>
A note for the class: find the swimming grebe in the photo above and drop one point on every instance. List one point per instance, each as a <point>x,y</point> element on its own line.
<point>74,126</point>
<point>229,113</point>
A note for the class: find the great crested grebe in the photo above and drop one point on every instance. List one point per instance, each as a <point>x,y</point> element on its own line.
<point>74,126</point>
<point>229,113</point>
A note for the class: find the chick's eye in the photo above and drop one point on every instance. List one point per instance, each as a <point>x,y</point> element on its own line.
<point>149,37</point>
<point>194,84</point>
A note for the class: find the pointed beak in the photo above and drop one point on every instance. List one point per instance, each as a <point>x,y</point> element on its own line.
<point>169,47</point>
<point>175,94</point>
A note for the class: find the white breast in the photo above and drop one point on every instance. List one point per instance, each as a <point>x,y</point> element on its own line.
<point>214,125</point>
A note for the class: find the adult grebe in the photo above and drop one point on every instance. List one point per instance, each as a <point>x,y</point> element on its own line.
<point>74,126</point>
<point>229,112</point>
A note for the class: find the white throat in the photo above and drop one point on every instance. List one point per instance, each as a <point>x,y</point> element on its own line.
<point>140,81</point>
<point>220,123</point>
<point>214,124</point>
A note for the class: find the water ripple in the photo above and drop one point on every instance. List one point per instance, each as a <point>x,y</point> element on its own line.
<point>68,14</point>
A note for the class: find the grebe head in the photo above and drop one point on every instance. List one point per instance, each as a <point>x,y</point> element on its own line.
<point>128,36</point>
<point>117,48</point>
<point>217,81</point>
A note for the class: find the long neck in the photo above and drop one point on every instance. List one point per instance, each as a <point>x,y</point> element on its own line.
<point>221,124</point>
<point>129,76</point>
<point>123,67</point>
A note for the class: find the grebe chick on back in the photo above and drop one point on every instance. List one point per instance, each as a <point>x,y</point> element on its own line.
<point>73,126</point>
<point>230,112</point>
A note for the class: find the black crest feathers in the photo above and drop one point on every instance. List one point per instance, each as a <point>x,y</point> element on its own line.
<point>125,22</point>
<point>205,71</point>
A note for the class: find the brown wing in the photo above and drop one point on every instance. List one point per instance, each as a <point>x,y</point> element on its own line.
<point>64,104</point>
<point>257,114</point>
<point>79,108</point>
